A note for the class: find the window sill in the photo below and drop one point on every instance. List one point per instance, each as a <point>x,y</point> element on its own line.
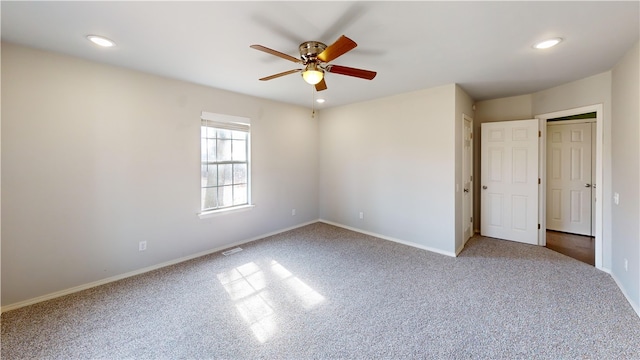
<point>213,213</point>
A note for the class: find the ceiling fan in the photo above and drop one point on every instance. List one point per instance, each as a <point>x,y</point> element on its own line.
<point>315,57</point>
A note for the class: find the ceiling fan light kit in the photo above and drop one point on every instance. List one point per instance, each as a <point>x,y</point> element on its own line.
<point>315,56</point>
<point>312,74</point>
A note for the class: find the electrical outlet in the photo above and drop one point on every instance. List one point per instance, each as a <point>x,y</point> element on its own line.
<point>142,246</point>
<point>293,212</point>
<point>626,265</point>
<point>361,215</point>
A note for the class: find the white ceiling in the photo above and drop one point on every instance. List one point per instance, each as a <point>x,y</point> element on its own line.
<point>483,46</point>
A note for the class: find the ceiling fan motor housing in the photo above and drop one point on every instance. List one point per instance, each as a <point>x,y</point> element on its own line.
<point>309,50</point>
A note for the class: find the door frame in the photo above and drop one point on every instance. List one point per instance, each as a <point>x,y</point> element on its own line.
<point>542,197</point>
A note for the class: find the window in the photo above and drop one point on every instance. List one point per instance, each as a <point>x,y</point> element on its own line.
<point>225,155</point>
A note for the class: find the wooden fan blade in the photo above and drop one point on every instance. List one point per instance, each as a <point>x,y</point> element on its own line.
<point>280,74</point>
<point>349,71</point>
<point>338,48</point>
<point>321,85</point>
<point>276,53</point>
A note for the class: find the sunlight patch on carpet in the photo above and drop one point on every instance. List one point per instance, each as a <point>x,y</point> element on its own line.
<point>248,286</point>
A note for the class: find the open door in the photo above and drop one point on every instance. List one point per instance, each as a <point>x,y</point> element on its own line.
<point>569,178</point>
<point>509,180</point>
<point>467,178</point>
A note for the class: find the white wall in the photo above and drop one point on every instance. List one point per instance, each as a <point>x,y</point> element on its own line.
<point>394,160</point>
<point>505,109</point>
<point>625,127</point>
<point>591,90</point>
<point>97,158</point>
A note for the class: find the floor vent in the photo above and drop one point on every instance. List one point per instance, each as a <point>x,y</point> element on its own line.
<point>232,251</point>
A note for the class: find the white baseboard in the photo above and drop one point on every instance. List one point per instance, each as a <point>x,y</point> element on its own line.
<point>82,287</point>
<point>408,243</point>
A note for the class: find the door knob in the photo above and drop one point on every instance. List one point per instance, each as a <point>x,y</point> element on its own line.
<point>587,185</point>
<point>484,187</point>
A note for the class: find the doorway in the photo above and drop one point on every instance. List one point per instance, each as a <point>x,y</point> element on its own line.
<point>596,178</point>
<point>570,186</point>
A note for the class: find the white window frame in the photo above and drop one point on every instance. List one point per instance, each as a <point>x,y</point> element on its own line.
<point>227,122</point>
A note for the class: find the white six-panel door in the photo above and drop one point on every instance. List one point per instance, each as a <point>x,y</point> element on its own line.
<point>467,179</point>
<point>569,184</point>
<point>509,180</point>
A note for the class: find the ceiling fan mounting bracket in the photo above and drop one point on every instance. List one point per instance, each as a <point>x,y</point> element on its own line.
<point>309,50</point>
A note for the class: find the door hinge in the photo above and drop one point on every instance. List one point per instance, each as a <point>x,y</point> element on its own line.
<point>539,133</point>
<point>538,226</point>
<point>471,178</point>
<point>471,220</point>
<point>471,136</point>
<point>539,181</point>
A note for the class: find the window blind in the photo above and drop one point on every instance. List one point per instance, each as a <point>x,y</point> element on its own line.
<point>227,122</point>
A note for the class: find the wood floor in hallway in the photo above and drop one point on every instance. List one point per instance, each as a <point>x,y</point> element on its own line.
<point>579,247</point>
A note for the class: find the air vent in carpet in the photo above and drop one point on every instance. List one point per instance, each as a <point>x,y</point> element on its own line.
<point>232,251</point>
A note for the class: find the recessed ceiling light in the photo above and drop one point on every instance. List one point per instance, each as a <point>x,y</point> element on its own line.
<point>547,43</point>
<point>320,101</point>
<point>101,41</point>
